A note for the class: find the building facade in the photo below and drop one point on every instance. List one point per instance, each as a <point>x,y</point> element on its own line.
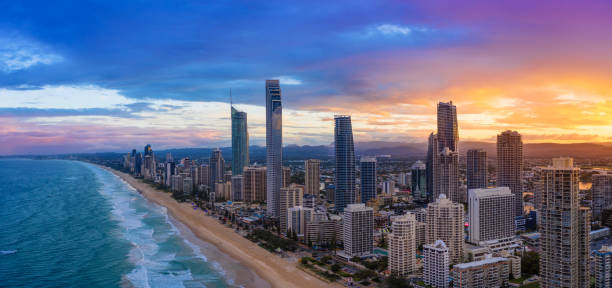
<point>510,166</point>
<point>446,175</point>
<point>476,169</point>
<point>436,264</point>
<point>345,162</point>
<point>274,146</point>
<point>240,141</point>
<point>445,222</point>
<point>358,230</point>
<point>402,245</point>
<point>564,227</point>
<point>254,184</point>
<point>491,214</point>
<point>289,197</point>
<point>312,176</point>
<point>602,267</point>
<point>418,183</point>
<point>216,169</point>
<point>490,272</point>
<point>368,178</point>
<point>602,192</point>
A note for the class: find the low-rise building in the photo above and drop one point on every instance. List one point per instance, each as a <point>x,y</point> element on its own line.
<point>491,272</point>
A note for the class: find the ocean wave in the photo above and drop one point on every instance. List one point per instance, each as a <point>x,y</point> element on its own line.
<point>7,252</point>
<point>160,255</point>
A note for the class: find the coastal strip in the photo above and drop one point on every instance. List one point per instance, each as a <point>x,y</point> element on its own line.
<point>277,271</point>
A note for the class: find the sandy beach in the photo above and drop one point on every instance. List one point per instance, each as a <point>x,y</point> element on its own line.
<point>275,270</point>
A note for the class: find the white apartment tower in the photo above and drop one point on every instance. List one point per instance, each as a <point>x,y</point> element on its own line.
<point>358,229</point>
<point>402,245</point>
<point>491,214</point>
<point>289,197</point>
<point>436,264</point>
<point>445,222</point>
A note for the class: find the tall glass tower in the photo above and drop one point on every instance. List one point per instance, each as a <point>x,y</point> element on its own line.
<point>368,178</point>
<point>240,142</point>
<point>448,131</point>
<point>216,169</point>
<point>274,146</point>
<point>345,162</point>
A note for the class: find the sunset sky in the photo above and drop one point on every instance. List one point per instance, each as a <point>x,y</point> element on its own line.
<point>86,76</point>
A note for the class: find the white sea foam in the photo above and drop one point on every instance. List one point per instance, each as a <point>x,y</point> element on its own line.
<point>155,241</point>
<point>7,252</point>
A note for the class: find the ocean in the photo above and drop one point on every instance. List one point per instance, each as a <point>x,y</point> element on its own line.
<point>73,224</point>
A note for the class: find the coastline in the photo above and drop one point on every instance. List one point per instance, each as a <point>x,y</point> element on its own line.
<point>271,268</point>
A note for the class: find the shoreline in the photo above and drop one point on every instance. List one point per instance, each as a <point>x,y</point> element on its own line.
<point>276,271</point>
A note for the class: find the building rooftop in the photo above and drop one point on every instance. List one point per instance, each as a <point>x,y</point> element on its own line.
<point>480,263</point>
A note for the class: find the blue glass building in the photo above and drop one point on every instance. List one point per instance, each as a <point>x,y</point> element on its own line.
<point>240,142</point>
<point>368,178</point>
<point>345,162</point>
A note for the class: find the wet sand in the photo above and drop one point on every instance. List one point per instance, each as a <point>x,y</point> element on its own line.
<point>276,271</point>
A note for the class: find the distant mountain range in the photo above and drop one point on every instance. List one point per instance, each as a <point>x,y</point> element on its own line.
<point>408,150</point>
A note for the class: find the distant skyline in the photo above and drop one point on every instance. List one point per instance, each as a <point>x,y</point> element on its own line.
<point>110,76</point>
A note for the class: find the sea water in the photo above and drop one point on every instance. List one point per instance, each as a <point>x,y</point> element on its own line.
<point>73,224</point>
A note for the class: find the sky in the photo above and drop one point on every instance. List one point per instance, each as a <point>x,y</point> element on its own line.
<point>90,76</point>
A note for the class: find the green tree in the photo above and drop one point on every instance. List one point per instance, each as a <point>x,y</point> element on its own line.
<point>335,268</point>
<point>530,263</point>
<point>395,281</point>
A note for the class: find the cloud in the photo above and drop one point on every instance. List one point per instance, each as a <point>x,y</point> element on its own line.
<point>19,53</point>
<point>288,80</point>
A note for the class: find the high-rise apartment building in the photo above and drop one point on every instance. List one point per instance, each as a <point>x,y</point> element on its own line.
<point>204,174</point>
<point>510,166</point>
<point>446,175</point>
<point>602,267</point>
<point>240,141</point>
<point>216,169</point>
<point>436,264</point>
<point>254,184</point>
<point>432,148</point>
<point>345,162</point>
<point>448,131</point>
<point>564,227</point>
<point>297,219</point>
<point>312,176</point>
<point>445,222</point>
<point>286,177</point>
<point>491,214</point>
<point>274,146</point>
<point>289,197</point>
<point>237,188</point>
<point>402,245</point>
<point>418,176</point>
<point>368,178</point>
<point>602,192</point>
<point>358,230</point>
<point>476,169</point>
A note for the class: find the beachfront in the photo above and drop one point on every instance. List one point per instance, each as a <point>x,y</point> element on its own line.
<point>277,271</point>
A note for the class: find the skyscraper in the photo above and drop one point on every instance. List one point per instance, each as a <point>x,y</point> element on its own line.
<point>368,178</point>
<point>432,147</point>
<point>476,170</point>
<point>274,146</point>
<point>358,229</point>
<point>402,245</point>
<point>254,184</point>
<point>312,176</point>
<point>491,214</point>
<point>240,141</point>
<point>564,227</point>
<point>446,174</point>
<point>436,264</point>
<point>510,166</point>
<point>445,222</point>
<point>148,150</point>
<point>419,181</point>
<point>345,162</point>
<point>602,192</point>
<point>216,169</point>
<point>603,267</point>
<point>448,131</point>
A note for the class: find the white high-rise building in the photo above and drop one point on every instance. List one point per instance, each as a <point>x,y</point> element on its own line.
<point>445,222</point>
<point>297,219</point>
<point>289,197</point>
<point>564,226</point>
<point>491,214</point>
<point>402,245</point>
<point>274,147</point>
<point>436,264</point>
<point>358,230</point>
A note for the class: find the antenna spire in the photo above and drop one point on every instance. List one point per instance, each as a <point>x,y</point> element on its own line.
<point>231,103</point>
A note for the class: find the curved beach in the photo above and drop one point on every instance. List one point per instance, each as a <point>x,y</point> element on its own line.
<point>275,270</point>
